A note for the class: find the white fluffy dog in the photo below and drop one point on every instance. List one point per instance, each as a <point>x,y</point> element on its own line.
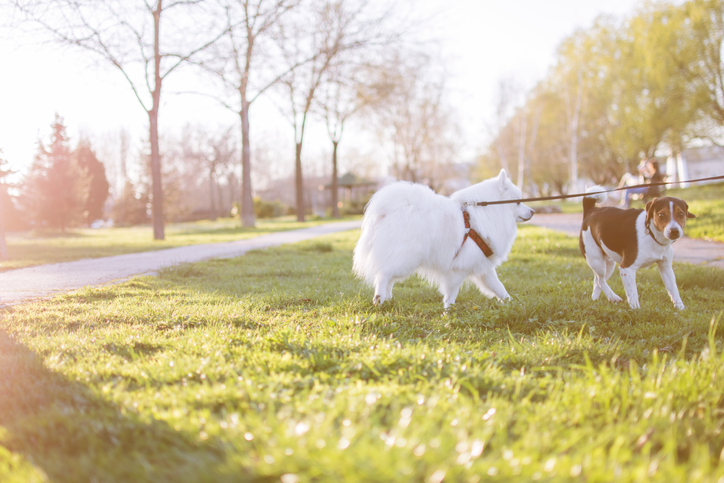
<point>409,228</point>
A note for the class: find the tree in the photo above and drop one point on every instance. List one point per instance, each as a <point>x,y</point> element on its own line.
<point>341,99</point>
<point>694,45</point>
<point>4,172</point>
<point>237,62</point>
<point>53,189</point>
<point>507,99</point>
<point>96,184</point>
<point>130,208</point>
<point>128,35</point>
<point>417,121</point>
<point>311,42</point>
<point>316,34</point>
<point>583,74</point>
<point>213,154</point>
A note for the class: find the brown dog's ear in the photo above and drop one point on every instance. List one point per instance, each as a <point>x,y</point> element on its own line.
<point>649,210</point>
<point>688,215</point>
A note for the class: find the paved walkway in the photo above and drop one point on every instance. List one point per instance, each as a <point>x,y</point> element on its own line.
<point>689,250</point>
<point>45,281</point>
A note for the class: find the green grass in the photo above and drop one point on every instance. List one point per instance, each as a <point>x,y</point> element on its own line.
<point>275,367</point>
<point>37,248</point>
<point>707,203</point>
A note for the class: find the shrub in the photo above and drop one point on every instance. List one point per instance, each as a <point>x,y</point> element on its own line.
<point>269,209</point>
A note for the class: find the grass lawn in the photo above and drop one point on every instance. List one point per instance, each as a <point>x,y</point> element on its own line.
<point>276,367</point>
<point>31,248</point>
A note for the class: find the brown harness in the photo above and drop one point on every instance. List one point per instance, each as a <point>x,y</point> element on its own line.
<point>469,232</point>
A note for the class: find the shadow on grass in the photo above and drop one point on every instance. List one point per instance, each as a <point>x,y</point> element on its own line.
<point>65,429</point>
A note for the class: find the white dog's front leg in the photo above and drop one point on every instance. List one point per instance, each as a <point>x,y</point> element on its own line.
<point>490,286</point>
<point>450,287</point>
<point>383,289</point>
<point>667,275</point>
<point>628,276</point>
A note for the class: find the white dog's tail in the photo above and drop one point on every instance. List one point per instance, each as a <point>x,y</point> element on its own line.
<point>596,196</point>
<point>362,260</point>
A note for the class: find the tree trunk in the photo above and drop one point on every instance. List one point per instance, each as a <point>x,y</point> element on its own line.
<point>124,174</point>
<point>335,181</point>
<point>222,212</point>
<point>247,200</point>
<point>573,147</point>
<point>211,195</point>
<point>3,245</point>
<point>503,158</point>
<point>156,182</point>
<point>299,183</point>
<point>522,134</point>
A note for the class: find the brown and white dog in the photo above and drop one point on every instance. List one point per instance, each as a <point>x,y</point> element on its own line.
<point>634,239</point>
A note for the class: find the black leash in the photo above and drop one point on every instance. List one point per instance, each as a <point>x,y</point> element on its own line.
<point>563,197</point>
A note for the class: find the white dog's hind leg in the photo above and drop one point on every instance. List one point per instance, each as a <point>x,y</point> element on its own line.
<point>602,269</point>
<point>490,286</point>
<point>667,275</point>
<point>596,288</point>
<point>610,266</point>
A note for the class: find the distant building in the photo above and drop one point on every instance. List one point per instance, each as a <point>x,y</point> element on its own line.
<point>352,191</point>
<point>695,163</point>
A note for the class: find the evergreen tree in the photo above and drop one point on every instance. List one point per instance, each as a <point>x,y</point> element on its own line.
<point>4,171</point>
<point>130,209</point>
<point>53,193</point>
<point>95,181</point>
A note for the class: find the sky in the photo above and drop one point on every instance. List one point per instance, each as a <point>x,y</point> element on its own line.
<point>482,42</point>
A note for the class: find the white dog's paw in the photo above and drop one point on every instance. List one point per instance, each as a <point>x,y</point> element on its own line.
<point>615,298</point>
<point>634,304</point>
<point>448,302</point>
<point>679,305</point>
<point>502,296</point>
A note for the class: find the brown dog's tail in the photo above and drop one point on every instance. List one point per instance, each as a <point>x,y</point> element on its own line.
<point>590,200</point>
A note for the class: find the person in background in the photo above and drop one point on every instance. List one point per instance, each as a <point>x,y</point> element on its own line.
<point>650,174</point>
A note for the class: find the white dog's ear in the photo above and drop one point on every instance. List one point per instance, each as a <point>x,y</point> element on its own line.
<point>502,178</point>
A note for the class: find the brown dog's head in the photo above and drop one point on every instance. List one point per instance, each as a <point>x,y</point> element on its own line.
<point>668,215</point>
